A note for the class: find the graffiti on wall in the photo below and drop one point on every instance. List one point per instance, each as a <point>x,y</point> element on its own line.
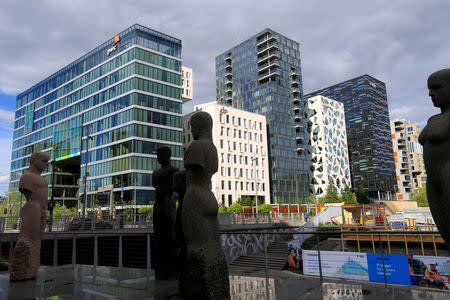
<point>235,245</point>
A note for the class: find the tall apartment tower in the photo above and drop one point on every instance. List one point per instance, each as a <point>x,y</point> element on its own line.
<point>188,84</point>
<point>408,157</point>
<point>368,133</point>
<point>328,138</point>
<point>263,75</point>
<point>127,92</point>
<point>241,142</point>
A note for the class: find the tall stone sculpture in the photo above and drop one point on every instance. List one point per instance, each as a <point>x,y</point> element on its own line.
<point>206,266</point>
<point>164,215</point>
<point>27,252</point>
<point>435,139</point>
<point>179,186</point>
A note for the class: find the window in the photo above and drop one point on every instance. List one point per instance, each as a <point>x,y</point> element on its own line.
<point>222,171</point>
<point>221,144</point>
<point>239,121</point>
<point>235,159</point>
<point>228,119</point>
<point>229,171</point>
<point>223,184</point>
<point>229,184</point>
<point>234,146</point>
<point>221,130</point>
<point>221,157</point>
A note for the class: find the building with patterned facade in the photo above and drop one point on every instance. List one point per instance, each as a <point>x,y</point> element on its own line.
<point>368,133</point>
<point>127,94</point>
<point>328,138</point>
<point>241,142</point>
<point>263,75</point>
<point>408,157</point>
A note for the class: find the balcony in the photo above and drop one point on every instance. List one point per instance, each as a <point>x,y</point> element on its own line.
<point>300,150</point>
<point>228,60</point>
<point>296,109</point>
<point>267,56</point>
<point>264,67</point>
<point>229,100</point>
<point>267,48</point>
<point>295,91</point>
<point>228,89</point>
<point>266,39</point>
<point>296,100</point>
<point>298,127</point>
<point>294,74</point>
<point>299,139</point>
<point>228,82</point>
<point>295,83</point>
<point>229,75</point>
<point>268,75</point>
<point>228,68</point>
<point>297,118</point>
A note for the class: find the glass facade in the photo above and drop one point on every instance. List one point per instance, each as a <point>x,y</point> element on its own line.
<point>368,133</point>
<point>263,75</point>
<point>128,94</point>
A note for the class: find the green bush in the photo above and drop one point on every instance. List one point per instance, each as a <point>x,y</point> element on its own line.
<point>223,210</point>
<point>235,208</point>
<point>145,210</point>
<point>265,208</point>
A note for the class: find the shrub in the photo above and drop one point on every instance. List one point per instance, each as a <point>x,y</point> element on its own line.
<point>264,208</point>
<point>235,208</point>
<point>223,210</point>
<point>145,210</point>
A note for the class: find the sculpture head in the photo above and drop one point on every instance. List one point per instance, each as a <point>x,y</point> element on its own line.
<point>39,161</point>
<point>439,88</point>
<point>164,153</point>
<point>201,125</point>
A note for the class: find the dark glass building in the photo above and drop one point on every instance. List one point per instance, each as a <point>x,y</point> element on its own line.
<point>127,91</point>
<point>368,133</point>
<point>263,75</point>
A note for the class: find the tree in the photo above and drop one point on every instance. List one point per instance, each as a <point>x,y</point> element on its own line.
<point>331,195</point>
<point>348,197</point>
<point>312,198</point>
<point>223,210</point>
<point>235,208</point>
<point>420,196</point>
<point>62,210</point>
<point>16,199</point>
<point>145,210</point>
<point>265,208</point>
<point>361,195</point>
<point>246,201</point>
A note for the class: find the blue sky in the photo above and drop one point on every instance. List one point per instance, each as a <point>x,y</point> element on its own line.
<point>399,42</point>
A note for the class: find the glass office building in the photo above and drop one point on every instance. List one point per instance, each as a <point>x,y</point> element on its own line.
<point>368,133</point>
<point>127,94</point>
<point>263,75</point>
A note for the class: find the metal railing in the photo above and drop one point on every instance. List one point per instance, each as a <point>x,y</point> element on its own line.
<point>121,249</point>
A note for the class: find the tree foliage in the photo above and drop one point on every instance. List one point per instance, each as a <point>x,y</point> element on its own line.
<point>331,195</point>
<point>420,196</point>
<point>361,196</point>
<point>223,210</point>
<point>265,208</point>
<point>235,208</point>
<point>145,210</point>
<point>312,198</point>
<point>348,197</point>
<point>246,201</point>
<point>16,199</point>
<point>62,210</point>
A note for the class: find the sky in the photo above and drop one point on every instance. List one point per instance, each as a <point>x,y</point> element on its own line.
<point>398,42</point>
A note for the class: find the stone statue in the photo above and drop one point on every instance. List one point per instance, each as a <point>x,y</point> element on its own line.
<point>435,139</point>
<point>179,186</point>
<point>27,252</point>
<point>164,216</point>
<point>206,266</point>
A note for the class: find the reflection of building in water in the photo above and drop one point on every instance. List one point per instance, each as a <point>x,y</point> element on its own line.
<point>251,288</point>
<point>112,283</point>
<point>340,291</point>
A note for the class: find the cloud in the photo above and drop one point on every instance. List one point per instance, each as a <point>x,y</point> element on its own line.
<point>398,42</point>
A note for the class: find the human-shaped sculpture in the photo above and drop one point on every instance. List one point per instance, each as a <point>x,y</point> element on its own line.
<point>179,186</point>
<point>27,252</point>
<point>435,138</point>
<point>164,216</point>
<point>206,266</point>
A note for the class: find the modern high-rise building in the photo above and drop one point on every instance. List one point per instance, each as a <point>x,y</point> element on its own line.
<point>241,142</point>
<point>408,157</point>
<point>263,75</point>
<point>368,133</point>
<point>328,138</point>
<point>126,95</point>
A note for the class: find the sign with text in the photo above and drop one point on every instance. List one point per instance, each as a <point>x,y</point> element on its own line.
<point>395,266</point>
<point>350,265</point>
